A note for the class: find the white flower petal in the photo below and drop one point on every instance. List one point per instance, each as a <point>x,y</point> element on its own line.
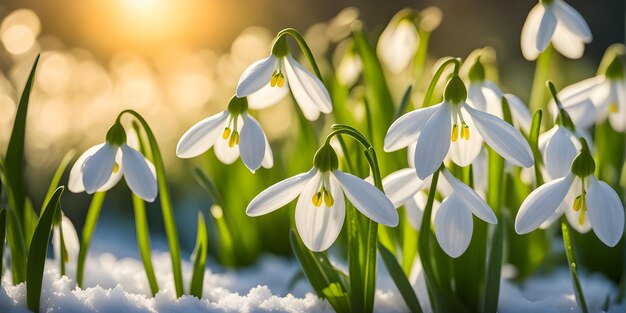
<point>279,194</point>
<point>618,119</point>
<point>582,112</point>
<point>397,45</point>
<point>138,175</point>
<point>541,203</point>
<point>605,212</point>
<point>367,199</point>
<point>257,75</point>
<point>99,167</point>
<point>267,96</point>
<point>476,97</point>
<point>555,216</point>
<point>560,152</point>
<point>470,198</point>
<point>70,241</point>
<point>453,226</point>
<point>252,144</point>
<point>415,209</point>
<point>402,185</point>
<point>75,183</point>
<point>349,69</point>
<point>307,88</point>
<point>567,43</point>
<point>572,20</point>
<point>530,31</point>
<point>406,129</point>
<point>546,29</point>
<point>502,137</point>
<point>573,218</point>
<point>319,226</point>
<point>268,157</point>
<point>519,111</point>
<point>201,136</point>
<point>464,152</point>
<point>433,143</point>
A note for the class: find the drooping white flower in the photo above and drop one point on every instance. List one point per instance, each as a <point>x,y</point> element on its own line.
<point>102,166</point>
<point>267,81</point>
<point>70,241</point>
<point>485,95</point>
<point>557,22</point>
<point>398,43</point>
<point>349,68</point>
<point>320,210</point>
<point>435,131</point>
<point>232,133</point>
<point>452,218</point>
<point>587,203</point>
<point>595,99</point>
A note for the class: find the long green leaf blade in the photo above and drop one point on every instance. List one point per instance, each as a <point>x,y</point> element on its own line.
<point>3,223</point>
<point>399,278</point>
<point>200,253</point>
<point>38,251</point>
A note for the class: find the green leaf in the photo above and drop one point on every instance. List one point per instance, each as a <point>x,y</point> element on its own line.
<point>90,225</point>
<point>143,242</point>
<point>14,166</point>
<point>404,103</point>
<point>494,269</point>
<point>200,254</point>
<point>205,182</point>
<point>38,251</point>
<point>533,139</point>
<point>400,279</point>
<point>323,278</point>
<point>56,178</point>
<point>3,224</point>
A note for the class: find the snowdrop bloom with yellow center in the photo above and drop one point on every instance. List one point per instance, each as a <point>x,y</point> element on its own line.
<point>557,22</point>
<point>102,166</point>
<point>320,210</point>
<point>399,41</point>
<point>595,99</point>
<point>267,81</point>
<point>584,194</point>
<point>232,133</point>
<point>455,129</point>
<point>452,218</point>
<point>485,95</point>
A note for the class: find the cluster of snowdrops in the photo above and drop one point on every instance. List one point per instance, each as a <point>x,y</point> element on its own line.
<point>460,151</point>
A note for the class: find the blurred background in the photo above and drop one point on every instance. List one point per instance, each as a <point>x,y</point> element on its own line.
<point>176,62</point>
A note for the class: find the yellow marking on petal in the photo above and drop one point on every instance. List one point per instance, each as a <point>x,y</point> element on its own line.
<point>226,133</point>
<point>581,218</point>
<point>578,203</point>
<point>280,81</point>
<point>116,168</point>
<point>455,133</point>
<point>328,199</point>
<point>273,80</point>
<point>317,199</point>
<point>613,107</point>
<point>465,133</point>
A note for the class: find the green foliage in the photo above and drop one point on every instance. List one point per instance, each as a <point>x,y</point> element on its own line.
<point>38,250</point>
<point>199,258</point>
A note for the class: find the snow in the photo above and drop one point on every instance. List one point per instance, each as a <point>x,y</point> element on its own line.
<point>117,283</point>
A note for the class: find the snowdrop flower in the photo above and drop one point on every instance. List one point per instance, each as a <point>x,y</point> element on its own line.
<point>102,166</point>
<point>595,99</point>
<point>455,129</point>
<point>267,81</point>
<point>320,210</point>
<point>557,22</point>
<point>485,95</point>
<point>584,195</point>
<point>452,218</point>
<point>399,41</point>
<point>70,241</point>
<point>233,133</point>
<point>349,68</point>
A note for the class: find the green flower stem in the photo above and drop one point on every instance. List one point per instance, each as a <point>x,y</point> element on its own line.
<point>538,91</point>
<point>362,240</point>
<point>303,46</point>
<point>90,225</point>
<point>143,242</point>
<point>424,242</point>
<point>573,266</point>
<point>433,83</point>
<point>166,203</point>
